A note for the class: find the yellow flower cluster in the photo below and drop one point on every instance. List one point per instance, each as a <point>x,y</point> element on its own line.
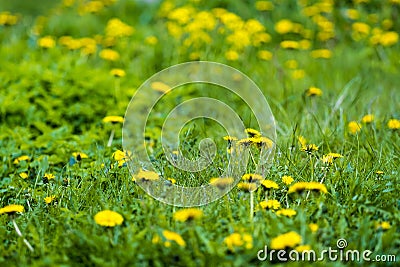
<point>86,45</point>
<point>195,29</point>
<point>116,28</point>
<point>313,186</point>
<point>8,19</point>
<point>270,204</point>
<point>237,240</point>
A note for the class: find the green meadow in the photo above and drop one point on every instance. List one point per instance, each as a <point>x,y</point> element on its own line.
<point>329,70</point>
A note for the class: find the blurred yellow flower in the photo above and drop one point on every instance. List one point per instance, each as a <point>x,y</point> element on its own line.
<point>302,248</point>
<point>298,74</point>
<point>309,148</point>
<point>188,214</point>
<point>172,236</point>
<point>113,119</point>
<point>313,91</point>
<point>252,177</point>
<point>146,176</point>
<point>79,155</point>
<point>354,127</point>
<point>383,225</point>
<point>268,184</point>
<point>47,42</point>
<point>253,132</point>
<point>264,5</point>
<point>286,212</point>
<point>301,186</point>
<point>109,54</point>
<point>231,55</point>
<point>11,209</point>
<point>283,26</point>
<point>236,240</point>
<point>247,186</point>
<point>49,176</point>
<point>272,204</point>
<point>116,28</point>
<point>117,72</point>
<point>222,182</point>
<point>291,64</point>
<point>368,118</point>
<point>287,180</point>
<point>108,218</point>
<point>23,175</point>
<point>289,44</point>
<point>389,38</point>
<point>49,199</point>
<point>264,55</point>
<point>7,19</point>
<point>160,87</point>
<point>321,53</point>
<point>21,158</point>
<point>313,227</point>
<point>151,40</point>
<point>393,124</point>
<point>352,14</point>
<point>288,240</point>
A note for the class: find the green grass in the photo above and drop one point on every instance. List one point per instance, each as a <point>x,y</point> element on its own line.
<point>52,102</point>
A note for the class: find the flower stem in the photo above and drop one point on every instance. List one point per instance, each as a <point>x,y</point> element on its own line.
<point>251,206</point>
<point>20,235</point>
<point>111,138</point>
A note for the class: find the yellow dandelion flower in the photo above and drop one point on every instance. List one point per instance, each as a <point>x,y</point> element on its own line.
<point>272,204</point>
<point>389,38</point>
<point>313,91</point>
<point>113,119</point>
<point>283,26</point>
<point>321,53</point>
<point>268,184</point>
<point>352,14</point>
<point>302,141</point>
<point>368,118</point>
<point>354,127</point>
<point>393,124</point>
<point>172,236</point>
<point>302,248</point>
<point>147,176</point>
<point>301,186</point>
<point>230,138</point>
<point>47,42</point>
<point>23,175</point>
<point>313,227</point>
<point>160,87</point>
<point>286,212</point>
<point>49,199</point>
<point>252,177</point>
<point>264,55</point>
<point>188,214</point>
<point>172,180</point>
<point>231,55</point>
<point>21,158</point>
<point>79,155</point>
<point>222,182</point>
<point>289,44</point>
<point>309,148</point>
<point>291,64</point>
<point>108,218</point>
<point>237,240</point>
<point>117,28</point>
<point>304,44</point>
<point>264,5</point>
<point>287,180</point>
<point>151,40</point>
<point>247,186</point>
<point>11,209</point>
<point>109,54</point>
<point>49,176</point>
<point>379,172</point>
<point>383,225</point>
<point>298,74</point>
<point>288,240</point>
<point>118,73</point>
<point>262,142</point>
<point>253,132</point>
